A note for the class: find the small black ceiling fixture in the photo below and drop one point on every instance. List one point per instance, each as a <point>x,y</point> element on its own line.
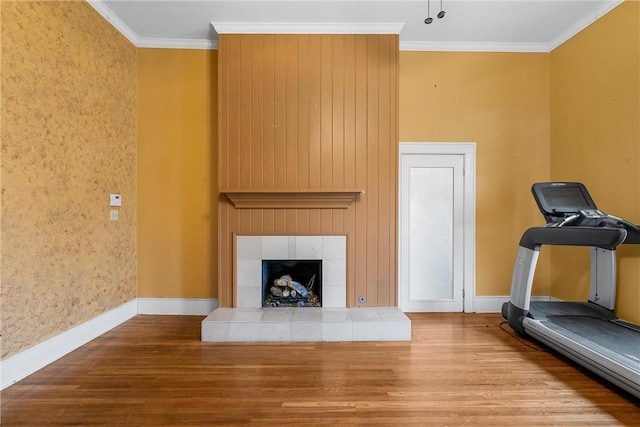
<point>440,15</point>
<point>442,12</point>
<point>428,19</point>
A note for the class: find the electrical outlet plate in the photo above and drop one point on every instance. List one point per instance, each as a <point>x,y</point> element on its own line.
<point>113,214</point>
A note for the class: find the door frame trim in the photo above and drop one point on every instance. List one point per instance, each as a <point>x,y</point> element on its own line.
<point>468,151</point>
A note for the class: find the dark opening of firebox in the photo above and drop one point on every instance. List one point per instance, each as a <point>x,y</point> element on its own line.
<point>291,283</point>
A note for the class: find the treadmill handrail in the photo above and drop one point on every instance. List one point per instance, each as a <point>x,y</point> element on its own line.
<point>606,238</point>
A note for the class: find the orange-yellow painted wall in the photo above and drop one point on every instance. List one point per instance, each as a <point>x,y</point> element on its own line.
<point>595,139</point>
<point>501,102</point>
<point>177,154</point>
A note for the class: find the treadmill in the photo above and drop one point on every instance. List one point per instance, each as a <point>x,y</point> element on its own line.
<point>587,332</point>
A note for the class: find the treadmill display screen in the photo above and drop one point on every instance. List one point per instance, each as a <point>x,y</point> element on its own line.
<point>563,198</point>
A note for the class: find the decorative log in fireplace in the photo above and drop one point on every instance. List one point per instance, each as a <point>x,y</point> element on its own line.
<point>291,283</point>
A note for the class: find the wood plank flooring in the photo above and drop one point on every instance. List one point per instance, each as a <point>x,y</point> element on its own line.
<point>459,369</point>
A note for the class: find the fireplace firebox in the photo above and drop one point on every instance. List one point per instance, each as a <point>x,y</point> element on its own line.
<point>292,283</point>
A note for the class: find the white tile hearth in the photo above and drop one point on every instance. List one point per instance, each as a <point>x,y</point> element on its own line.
<point>306,325</point>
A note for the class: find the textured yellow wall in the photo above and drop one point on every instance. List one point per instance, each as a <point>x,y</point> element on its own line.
<point>595,139</point>
<point>68,140</point>
<point>177,184</point>
<point>501,102</point>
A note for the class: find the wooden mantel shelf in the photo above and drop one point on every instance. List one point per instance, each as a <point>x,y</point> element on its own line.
<point>297,198</point>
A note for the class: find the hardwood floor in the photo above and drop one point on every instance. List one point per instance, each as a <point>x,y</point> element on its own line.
<point>459,369</point>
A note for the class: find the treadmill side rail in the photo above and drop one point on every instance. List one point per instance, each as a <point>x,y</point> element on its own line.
<point>521,283</point>
<point>522,280</point>
<point>603,277</point>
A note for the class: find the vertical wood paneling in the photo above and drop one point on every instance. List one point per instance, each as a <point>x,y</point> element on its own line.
<point>225,94</point>
<point>314,221</point>
<point>291,100</point>
<point>384,169</point>
<point>373,87</point>
<point>225,51</point>
<point>268,115</point>
<point>304,106</point>
<point>313,111</point>
<point>349,142</point>
<point>244,124</point>
<point>223,102</point>
<point>360,236</point>
<point>337,131</point>
<point>256,161</point>
<point>326,111</point>
<point>338,114</point>
<point>349,125</point>
<point>393,193</point>
<point>281,168</point>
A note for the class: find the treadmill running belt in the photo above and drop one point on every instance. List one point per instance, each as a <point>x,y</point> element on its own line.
<point>623,341</point>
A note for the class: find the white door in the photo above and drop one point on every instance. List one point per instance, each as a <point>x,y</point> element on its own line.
<point>431,232</point>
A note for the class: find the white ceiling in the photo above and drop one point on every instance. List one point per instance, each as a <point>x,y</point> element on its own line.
<point>469,25</point>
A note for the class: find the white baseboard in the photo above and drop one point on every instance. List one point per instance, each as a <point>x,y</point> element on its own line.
<point>493,304</point>
<point>25,363</point>
<point>183,306</point>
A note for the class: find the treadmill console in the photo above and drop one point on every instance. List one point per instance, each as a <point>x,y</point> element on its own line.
<point>570,204</point>
<point>593,214</point>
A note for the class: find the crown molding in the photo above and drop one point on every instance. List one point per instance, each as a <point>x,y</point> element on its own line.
<point>200,44</point>
<point>107,14</point>
<point>307,28</point>
<point>473,47</point>
<point>584,23</point>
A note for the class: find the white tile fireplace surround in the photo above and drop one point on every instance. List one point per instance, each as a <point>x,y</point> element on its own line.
<point>251,250</point>
<point>250,322</point>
